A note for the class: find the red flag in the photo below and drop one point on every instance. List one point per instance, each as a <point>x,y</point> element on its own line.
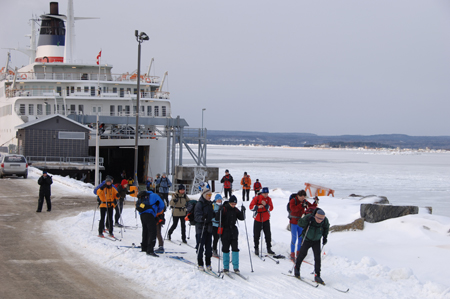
<point>98,57</point>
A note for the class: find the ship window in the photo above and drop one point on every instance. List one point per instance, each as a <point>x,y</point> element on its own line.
<point>142,111</point>
<point>92,90</point>
<point>78,89</point>
<point>163,110</point>
<point>86,89</point>
<point>134,110</point>
<point>48,109</point>
<point>84,76</point>
<point>115,89</point>
<point>39,109</point>
<point>99,109</point>
<point>119,110</point>
<point>80,109</point>
<point>67,91</point>
<point>71,135</point>
<point>72,109</point>
<point>156,111</point>
<point>72,89</point>
<point>112,109</point>
<point>30,109</point>
<point>94,109</point>
<point>149,110</point>
<point>22,109</point>
<point>122,90</point>
<point>135,91</point>
<point>127,110</point>
<point>58,90</point>
<point>128,90</point>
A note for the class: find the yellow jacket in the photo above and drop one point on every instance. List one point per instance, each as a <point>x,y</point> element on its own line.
<point>108,196</point>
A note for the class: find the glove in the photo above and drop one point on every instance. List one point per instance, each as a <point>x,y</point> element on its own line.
<point>243,209</point>
<point>311,219</point>
<point>324,241</point>
<point>102,187</point>
<point>175,200</point>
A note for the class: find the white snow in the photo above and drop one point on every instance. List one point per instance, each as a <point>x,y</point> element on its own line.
<point>406,257</point>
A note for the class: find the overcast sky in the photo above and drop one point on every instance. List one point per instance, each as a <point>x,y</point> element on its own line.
<point>326,67</point>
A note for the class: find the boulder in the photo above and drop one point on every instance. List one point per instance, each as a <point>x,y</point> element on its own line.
<point>358,224</point>
<point>375,213</point>
<point>378,199</point>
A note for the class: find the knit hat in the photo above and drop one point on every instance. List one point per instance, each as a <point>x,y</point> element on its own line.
<point>108,179</point>
<point>181,187</point>
<point>205,191</point>
<point>218,197</point>
<point>226,170</point>
<point>265,190</point>
<point>124,182</point>
<point>245,173</point>
<point>232,199</point>
<point>44,172</point>
<point>320,212</point>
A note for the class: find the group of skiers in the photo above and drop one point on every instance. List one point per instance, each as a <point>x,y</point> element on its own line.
<point>215,221</point>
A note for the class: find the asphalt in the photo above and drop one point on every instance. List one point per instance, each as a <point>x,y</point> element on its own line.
<point>33,265</point>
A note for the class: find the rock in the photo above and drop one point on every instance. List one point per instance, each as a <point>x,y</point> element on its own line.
<point>373,213</point>
<point>354,195</point>
<point>430,209</point>
<point>358,224</point>
<point>378,199</point>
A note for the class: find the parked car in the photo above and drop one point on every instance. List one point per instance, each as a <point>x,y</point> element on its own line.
<point>13,165</point>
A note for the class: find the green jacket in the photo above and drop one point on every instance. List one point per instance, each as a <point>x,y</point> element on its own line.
<point>315,230</point>
<point>178,204</point>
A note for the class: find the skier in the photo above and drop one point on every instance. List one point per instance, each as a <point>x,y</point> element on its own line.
<point>149,204</point>
<point>227,181</point>
<point>315,226</point>
<point>108,196</point>
<point>246,183</point>
<point>262,204</point>
<point>123,191</point>
<point>298,205</point>
<point>178,205</point>
<point>217,203</point>
<point>160,221</point>
<point>257,187</point>
<point>150,185</point>
<point>230,214</point>
<point>204,215</point>
<point>44,191</point>
<point>164,184</point>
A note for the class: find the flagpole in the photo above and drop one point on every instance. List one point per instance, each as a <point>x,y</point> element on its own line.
<point>99,57</point>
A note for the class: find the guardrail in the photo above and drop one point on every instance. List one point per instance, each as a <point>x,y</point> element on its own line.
<point>64,160</point>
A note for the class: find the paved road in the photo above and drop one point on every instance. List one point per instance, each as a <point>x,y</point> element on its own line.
<point>32,265</point>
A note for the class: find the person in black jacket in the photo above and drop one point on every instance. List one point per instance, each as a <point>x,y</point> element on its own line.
<point>229,215</point>
<point>44,191</point>
<point>203,215</point>
<point>123,191</point>
<point>227,181</point>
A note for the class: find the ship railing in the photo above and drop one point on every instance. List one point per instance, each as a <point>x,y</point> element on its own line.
<point>94,76</point>
<point>53,93</point>
<point>64,160</point>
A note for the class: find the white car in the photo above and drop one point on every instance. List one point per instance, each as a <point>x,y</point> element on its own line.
<point>13,165</point>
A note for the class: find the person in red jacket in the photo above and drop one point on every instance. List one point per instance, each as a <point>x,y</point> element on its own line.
<point>257,187</point>
<point>227,181</point>
<point>298,205</point>
<point>262,204</point>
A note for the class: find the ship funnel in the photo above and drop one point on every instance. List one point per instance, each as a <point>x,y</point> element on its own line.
<point>52,36</point>
<point>54,8</point>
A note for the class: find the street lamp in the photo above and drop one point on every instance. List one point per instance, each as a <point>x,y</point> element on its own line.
<point>202,118</point>
<point>140,38</point>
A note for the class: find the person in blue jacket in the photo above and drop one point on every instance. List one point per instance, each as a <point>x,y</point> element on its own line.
<point>164,185</point>
<point>217,203</point>
<point>203,215</point>
<point>152,205</point>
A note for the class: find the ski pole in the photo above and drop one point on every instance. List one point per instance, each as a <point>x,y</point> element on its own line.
<point>189,235</point>
<point>261,233</point>
<point>165,236</point>
<point>248,243</point>
<point>121,220</point>
<point>219,236</point>
<point>200,244</point>
<point>93,220</point>
<point>307,229</point>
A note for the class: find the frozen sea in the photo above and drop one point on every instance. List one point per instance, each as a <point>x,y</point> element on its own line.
<point>405,178</point>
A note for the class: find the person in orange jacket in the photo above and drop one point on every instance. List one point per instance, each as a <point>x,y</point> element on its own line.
<point>246,183</point>
<point>108,199</point>
<point>261,205</point>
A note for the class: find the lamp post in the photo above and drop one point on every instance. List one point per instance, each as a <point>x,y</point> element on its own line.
<point>140,38</point>
<point>202,118</point>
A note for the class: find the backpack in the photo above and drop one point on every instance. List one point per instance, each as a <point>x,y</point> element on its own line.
<point>288,207</point>
<point>141,205</point>
<point>190,208</point>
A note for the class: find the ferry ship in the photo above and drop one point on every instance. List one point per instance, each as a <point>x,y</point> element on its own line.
<point>56,84</point>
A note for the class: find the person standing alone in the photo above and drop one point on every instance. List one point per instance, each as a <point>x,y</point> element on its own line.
<point>44,191</point>
<point>262,204</point>
<point>227,181</point>
<point>246,183</point>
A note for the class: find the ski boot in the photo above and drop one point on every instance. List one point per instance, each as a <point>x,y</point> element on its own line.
<point>269,251</point>
<point>318,279</point>
<point>256,251</point>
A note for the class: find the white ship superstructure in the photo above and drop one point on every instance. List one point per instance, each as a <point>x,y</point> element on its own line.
<point>53,84</point>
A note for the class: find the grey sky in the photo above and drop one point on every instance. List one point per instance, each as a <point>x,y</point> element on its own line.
<point>325,67</point>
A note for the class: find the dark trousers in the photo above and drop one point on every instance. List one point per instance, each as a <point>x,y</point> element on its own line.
<point>41,201</point>
<point>119,209</point>
<point>227,191</point>
<point>175,224</point>
<point>109,213</point>
<point>228,241</point>
<point>204,245</point>
<point>165,197</point>
<point>304,251</point>
<point>216,237</point>
<point>159,235</point>
<point>148,232</point>
<point>257,233</point>
<point>245,192</point>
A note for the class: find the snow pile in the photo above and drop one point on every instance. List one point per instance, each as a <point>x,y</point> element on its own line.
<point>405,257</point>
